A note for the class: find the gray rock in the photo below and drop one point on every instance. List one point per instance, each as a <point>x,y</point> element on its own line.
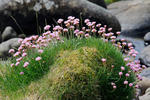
<point>146,96</point>
<point>8,33</point>
<point>145,56</point>
<point>21,36</point>
<point>144,84</point>
<point>133,15</point>
<point>25,15</point>
<point>147,38</point>
<point>0,37</point>
<point>99,2</point>
<point>146,73</point>
<point>7,45</point>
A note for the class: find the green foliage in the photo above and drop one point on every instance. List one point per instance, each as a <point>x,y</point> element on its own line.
<point>110,1</point>
<point>88,53</point>
<point>75,72</point>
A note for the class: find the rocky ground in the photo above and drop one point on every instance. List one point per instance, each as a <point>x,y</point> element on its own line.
<point>23,18</point>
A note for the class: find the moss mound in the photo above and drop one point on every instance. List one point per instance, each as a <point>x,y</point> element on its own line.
<point>72,78</point>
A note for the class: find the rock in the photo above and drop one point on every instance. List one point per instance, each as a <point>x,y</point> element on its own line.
<point>0,37</point>
<point>144,84</point>
<point>8,33</point>
<point>146,96</point>
<point>145,56</point>
<point>99,2</point>
<point>147,38</point>
<point>146,73</point>
<point>7,45</point>
<point>21,36</point>
<point>133,16</point>
<point>28,16</point>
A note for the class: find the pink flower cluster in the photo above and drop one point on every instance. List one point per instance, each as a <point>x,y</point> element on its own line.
<point>72,27</point>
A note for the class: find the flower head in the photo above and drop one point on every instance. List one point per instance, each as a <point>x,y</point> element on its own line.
<point>21,73</point>
<point>103,60</point>
<point>125,82</point>
<point>26,64</point>
<point>11,51</point>
<point>47,27</point>
<point>38,58</point>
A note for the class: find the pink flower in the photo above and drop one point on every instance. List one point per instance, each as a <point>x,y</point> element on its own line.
<point>11,51</point>
<point>131,84</point>
<point>136,86</point>
<point>126,59</point>
<point>103,60</point>
<point>17,63</point>
<point>127,74</point>
<point>94,30</point>
<point>112,83</point>
<point>134,55</point>
<point>120,73</point>
<point>86,20</point>
<point>20,40</point>
<point>21,73</point>
<point>38,58</point>
<point>125,82</point>
<point>129,44</point>
<point>87,35</point>
<point>40,51</point>
<point>122,68</point>
<point>65,30</point>
<point>114,87</point>
<point>112,66</point>
<point>12,65</point>
<point>113,37</point>
<point>24,54</point>
<point>60,21</point>
<point>124,43</point>
<point>19,59</point>
<point>47,27</point>
<point>109,29</point>
<point>118,33</point>
<point>26,64</point>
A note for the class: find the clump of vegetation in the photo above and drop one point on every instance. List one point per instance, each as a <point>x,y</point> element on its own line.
<point>85,74</point>
<point>87,65</point>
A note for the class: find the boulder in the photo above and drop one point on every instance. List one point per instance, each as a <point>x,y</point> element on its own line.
<point>0,37</point>
<point>144,84</point>
<point>147,38</point>
<point>146,96</point>
<point>7,45</point>
<point>133,16</point>
<point>8,33</point>
<point>29,16</point>
<point>99,2</point>
<point>145,56</point>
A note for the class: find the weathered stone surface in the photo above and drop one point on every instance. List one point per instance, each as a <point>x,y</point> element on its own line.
<point>7,45</point>
<point>146,96</point>
<point>134,16</point>
<point>8,33</point>
<point>145,56</point>
<point>26,16</point>
<point>99,2</point>
<point>144,84</point>
<point>147,38</point>
<point>0,37</point>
